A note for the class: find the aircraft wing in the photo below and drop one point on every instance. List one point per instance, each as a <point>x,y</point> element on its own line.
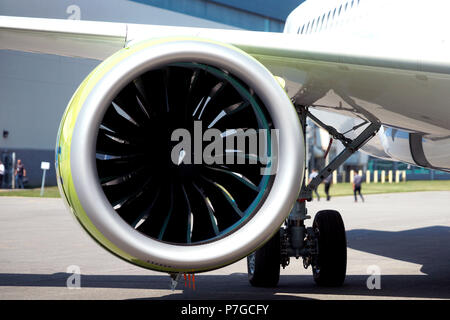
<point>84,39</point>
<point>404,86</point>
<point>98,40</point>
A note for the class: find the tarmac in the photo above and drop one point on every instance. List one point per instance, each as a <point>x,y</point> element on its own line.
<point>398,248</point>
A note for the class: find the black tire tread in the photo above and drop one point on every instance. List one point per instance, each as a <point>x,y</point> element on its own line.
<point>332,258</point>
<point>267,264</point>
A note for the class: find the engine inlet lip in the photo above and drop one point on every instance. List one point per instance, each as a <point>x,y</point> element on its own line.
<point>203,256</point>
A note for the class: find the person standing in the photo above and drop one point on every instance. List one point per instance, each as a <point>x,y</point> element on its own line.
<point>357,181</point>
<point>328,181</point>
<point>2,173</point>
<point>19,173</point>
<point>312,175</point>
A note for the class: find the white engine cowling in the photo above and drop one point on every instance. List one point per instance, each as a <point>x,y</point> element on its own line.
<point>133,146</point>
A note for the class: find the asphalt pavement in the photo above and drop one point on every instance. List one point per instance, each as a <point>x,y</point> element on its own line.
<point>398,248</point>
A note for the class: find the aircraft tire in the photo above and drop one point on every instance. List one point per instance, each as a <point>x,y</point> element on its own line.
<point>263,265</point>
<point>331,264</point>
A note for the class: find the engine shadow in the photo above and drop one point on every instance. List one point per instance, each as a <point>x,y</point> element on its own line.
<point>425,246</point>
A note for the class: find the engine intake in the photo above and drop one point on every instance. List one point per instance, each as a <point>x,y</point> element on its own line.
<point>145,162</point>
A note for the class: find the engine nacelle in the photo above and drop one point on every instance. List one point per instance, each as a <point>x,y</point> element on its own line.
<point>144,164</point>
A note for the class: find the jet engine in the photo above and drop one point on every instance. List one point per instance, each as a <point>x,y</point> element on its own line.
<point>145,160</point>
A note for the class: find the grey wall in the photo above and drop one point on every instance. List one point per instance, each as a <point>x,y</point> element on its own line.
<point>34,91</point>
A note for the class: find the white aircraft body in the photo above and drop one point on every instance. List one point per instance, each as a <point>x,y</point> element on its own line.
<point>374,74</point>
<point>398,51</point>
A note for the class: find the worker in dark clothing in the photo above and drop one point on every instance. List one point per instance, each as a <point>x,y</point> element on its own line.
<point>20,173</point>
<point>357,181</point>
<point>312,175</point>
<point>328,181</point>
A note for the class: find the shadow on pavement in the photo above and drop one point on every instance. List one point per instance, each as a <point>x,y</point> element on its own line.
<point>236,286</point>
<point>425,246</point>
<point>428,247</point>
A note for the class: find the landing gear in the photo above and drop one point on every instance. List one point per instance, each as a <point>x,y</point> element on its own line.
<point>263,265</point>
<point>322,246</point>
<point>330,265</point>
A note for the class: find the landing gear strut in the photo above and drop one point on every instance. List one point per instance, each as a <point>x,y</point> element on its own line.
<point>322,246</point>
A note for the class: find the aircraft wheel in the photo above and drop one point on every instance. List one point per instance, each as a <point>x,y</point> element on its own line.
<point>263,265</point>
<point>330,266</point>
